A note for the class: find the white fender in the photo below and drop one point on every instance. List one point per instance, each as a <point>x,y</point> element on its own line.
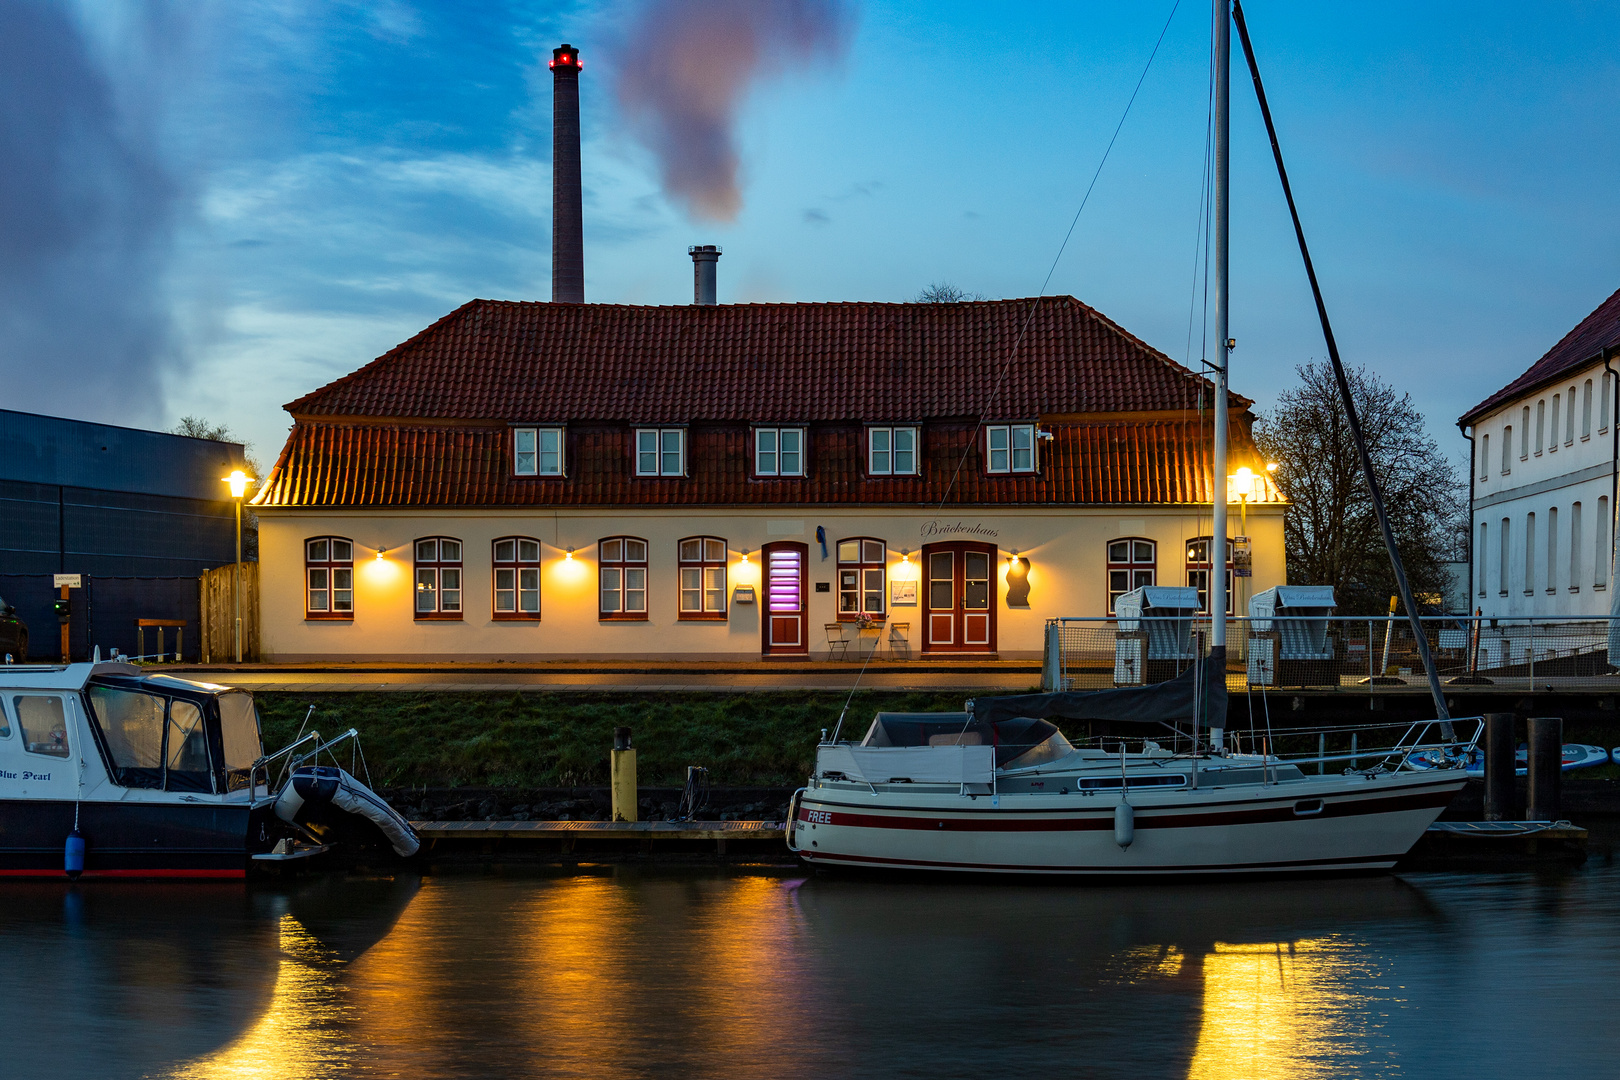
<point>1124,824</point>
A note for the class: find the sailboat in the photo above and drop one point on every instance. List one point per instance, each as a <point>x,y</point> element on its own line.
<point>998,788</point>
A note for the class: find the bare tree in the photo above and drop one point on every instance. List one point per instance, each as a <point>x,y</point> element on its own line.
<point>1330,530</point>
<point>198,427</point>
<point>943,292</point>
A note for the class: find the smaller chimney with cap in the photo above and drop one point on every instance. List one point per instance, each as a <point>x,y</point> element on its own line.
<point>704,260</point>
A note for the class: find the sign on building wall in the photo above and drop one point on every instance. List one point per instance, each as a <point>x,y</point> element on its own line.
<point>902,594</point>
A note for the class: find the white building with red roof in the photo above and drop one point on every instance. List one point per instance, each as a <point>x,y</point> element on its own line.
<point>559,480</point>
<point>1544,457</point>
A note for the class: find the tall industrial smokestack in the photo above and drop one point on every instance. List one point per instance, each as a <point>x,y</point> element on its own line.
<point>567,210</point>
<point>705,259</point>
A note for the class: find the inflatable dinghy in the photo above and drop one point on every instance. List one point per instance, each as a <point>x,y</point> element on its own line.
<point>324,799</point>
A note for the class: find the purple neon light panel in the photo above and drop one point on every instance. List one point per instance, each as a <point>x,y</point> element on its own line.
<point>782,580</point>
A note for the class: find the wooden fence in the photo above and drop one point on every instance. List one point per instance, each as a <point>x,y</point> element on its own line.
<point>219,613</point>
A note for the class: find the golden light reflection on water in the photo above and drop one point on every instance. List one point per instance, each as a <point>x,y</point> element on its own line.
<point>1275,1010</point>
<point>300,1034</point>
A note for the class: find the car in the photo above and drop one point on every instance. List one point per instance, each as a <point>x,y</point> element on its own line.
<point>13,634</point>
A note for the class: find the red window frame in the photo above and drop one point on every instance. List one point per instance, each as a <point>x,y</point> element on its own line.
<point>524,552</point>
<point>331,567</point>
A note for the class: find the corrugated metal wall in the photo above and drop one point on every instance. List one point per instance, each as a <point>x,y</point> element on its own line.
<point>104,612</point>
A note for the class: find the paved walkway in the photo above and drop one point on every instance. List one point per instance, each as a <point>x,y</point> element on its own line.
<point>625,677</point>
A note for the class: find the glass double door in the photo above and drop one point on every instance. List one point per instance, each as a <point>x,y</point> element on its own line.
<point>959,598</point>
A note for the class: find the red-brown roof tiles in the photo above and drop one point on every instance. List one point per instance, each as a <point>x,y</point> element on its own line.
<point>1591,336</point>
<point>1136,461</point>
<point>788,363</point>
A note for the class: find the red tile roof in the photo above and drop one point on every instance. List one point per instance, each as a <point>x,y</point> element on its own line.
<point>1595,333</point>
<point>1090,462</point>
<point>559,363</point>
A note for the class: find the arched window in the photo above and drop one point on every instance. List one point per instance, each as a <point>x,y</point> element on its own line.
<point>1485,457</point>
<point>1198,568</point>
<point>516,561</point>
<point>1484,532</point>
<point>1575,547</point>
<point>1524,435</point>
<point>1586,411</point>
<point>862,566</point>
<point>1541,422</point>
<point>1133,561</point>
<point>1529,553</point>
<point>703,578</point>
<point>622,577</point>
<point>1507,449</point>
<point>329,577</point>
<point>438,578</point>
<point>1569,426</point>
<point>1552,437</point>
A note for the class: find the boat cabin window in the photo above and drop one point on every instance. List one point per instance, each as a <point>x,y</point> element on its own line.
<point>187,768</point>
<point>239,731</point>
<point>1019,742</point>
<point>132,724</point>
<point>43,723</point>
<point>5,721</point>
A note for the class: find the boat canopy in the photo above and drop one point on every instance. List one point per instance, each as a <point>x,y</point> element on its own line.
<point>1016,739</point>
<point>168,733</point>
<point>1197,693</point>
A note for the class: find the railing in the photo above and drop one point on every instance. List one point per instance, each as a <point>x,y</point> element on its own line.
<point>1346,653</point>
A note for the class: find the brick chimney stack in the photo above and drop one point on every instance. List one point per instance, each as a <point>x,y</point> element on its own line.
<point>567,197</point>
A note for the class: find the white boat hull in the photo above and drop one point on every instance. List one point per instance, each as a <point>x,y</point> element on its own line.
<point>1314,825</point>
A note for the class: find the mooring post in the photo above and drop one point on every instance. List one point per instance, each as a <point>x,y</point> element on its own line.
<point>1499,767</point>
<point>622,778</point>
<point>1546,767</point>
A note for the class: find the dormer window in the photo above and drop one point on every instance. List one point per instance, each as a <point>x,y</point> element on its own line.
<point>778,451</point>
<point>537,451</point>
<point>660,451</point>
<point>891,451</point>
<point>1009,448</point>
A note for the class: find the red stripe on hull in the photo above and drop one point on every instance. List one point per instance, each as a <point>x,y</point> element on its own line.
<point>1147,817</point>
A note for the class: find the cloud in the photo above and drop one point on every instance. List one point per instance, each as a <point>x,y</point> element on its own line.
<point>814,216</point>
<point>686,68</point>
<point>88,217</point>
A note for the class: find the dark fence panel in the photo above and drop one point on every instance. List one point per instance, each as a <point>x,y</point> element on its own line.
<point>104,613</point>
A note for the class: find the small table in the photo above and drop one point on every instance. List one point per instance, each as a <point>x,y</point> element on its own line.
<point>867,640</point>
<point>159,624</point>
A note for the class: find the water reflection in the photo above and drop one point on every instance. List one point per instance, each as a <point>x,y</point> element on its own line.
<point>627,973</point>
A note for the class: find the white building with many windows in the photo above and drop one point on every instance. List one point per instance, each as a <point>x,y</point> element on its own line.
<point>1544,478</point>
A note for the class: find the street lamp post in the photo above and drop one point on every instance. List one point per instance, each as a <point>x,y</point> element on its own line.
<point>239,481</point>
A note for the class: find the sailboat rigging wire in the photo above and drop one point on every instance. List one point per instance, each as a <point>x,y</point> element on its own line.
<point>1373,489</point>
<point>840,725</point>
<point>1006,365</point>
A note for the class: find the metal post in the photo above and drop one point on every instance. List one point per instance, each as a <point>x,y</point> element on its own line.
<point>1532,647</point>
<point>622,769</point>
<point>66,653</point>
<point>1546,767</point>
<point>1220,237</point>
<point>236,581</point>
<point>1499,767</point>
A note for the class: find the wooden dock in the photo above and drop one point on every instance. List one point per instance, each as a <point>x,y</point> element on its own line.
<point>572,841</point>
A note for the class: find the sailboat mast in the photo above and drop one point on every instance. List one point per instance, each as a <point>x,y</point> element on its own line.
<point>1220,219</point>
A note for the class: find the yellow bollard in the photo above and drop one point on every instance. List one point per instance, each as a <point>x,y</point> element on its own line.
<point>622,773</point>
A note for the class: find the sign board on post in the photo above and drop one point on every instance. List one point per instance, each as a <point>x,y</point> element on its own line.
<point>1242,557</point>
<point>65,581</point>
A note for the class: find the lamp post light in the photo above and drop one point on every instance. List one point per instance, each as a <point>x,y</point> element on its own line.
<point>239,482</point>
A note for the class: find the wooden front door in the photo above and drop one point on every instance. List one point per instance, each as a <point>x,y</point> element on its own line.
<point>959,598</point>
<point>786,566</point>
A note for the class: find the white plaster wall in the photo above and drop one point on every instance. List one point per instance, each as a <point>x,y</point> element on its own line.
<point>1066,549</point>
<point>1573,576</point>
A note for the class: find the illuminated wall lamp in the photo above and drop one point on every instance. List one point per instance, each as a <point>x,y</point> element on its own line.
<point>380,554</point>
<point>569,557</point>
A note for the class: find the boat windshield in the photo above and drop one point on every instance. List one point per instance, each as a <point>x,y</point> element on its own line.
<point>1019,742</point>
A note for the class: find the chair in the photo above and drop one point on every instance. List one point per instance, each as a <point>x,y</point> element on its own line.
<point>837,641</point>
<point>900,640</point>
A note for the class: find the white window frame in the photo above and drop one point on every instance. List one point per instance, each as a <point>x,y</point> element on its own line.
<point>322,576</point>
<point>656,443</point>
<point>702,572</point>
<point>439,577</point>
<point>1005,440</point>
<point>863,577</point>
<point>514,578</point>
<point>622,575</point>
<point>537,451</point>
<point>1131,572</point>
<point>883,450</point>
<point>771,452</point>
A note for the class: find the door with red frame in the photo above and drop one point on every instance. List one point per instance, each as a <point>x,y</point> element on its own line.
<point>785,628</point>
<point>959,598</point>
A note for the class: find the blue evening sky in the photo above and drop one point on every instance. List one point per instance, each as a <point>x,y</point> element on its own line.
<point>332,177</point>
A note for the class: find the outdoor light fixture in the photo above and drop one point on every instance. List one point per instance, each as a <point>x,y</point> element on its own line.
<point>745,555</point>
<point>239,481</point>
<point>1271,466</point>
<point>905,555</point>
<point>570,556</point>
<point>379,554</point>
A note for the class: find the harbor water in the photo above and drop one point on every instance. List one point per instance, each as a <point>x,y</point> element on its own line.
<point>649,972</point>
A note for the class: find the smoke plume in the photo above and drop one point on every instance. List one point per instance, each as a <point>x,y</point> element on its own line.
<point>687,67</point>
<point>86,216</point>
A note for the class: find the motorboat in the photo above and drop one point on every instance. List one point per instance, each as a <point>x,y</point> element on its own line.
<point>999,788</point>
<point>110,770</point>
